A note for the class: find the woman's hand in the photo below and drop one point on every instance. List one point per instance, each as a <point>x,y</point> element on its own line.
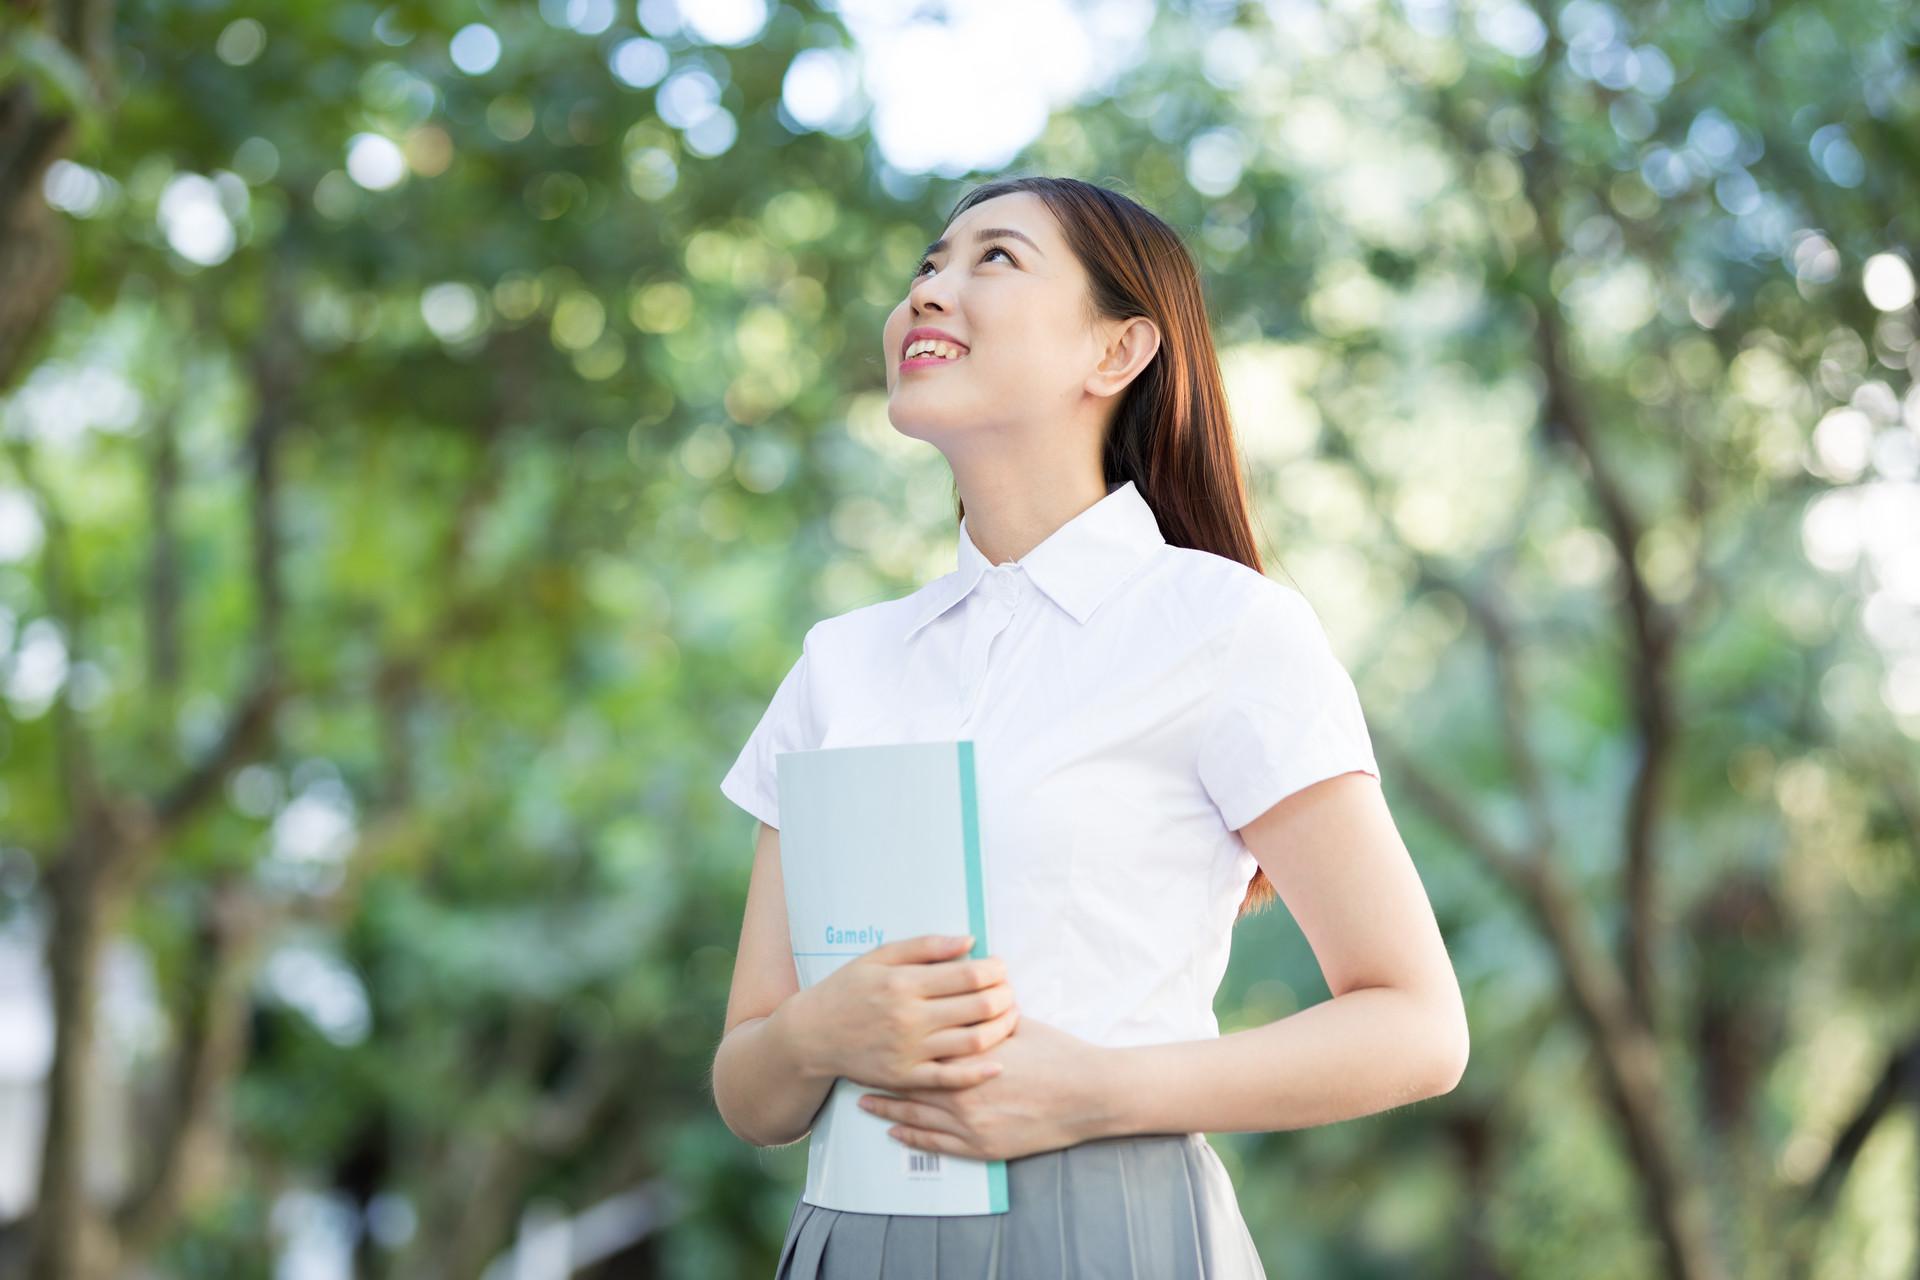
<point>1049,1094</point>
<point>912,1014</point>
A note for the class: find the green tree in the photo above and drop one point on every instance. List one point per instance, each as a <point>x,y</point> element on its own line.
<point>430,464</point>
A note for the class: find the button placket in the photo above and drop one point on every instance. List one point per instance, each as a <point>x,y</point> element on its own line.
<point>999,592</point>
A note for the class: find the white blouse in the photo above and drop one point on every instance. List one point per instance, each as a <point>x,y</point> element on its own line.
<point>1132,705</point>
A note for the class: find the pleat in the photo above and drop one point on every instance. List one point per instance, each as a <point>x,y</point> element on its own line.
<point>912,1248</point>
<point>995,1258</point>
<point>1033,1234</point>
<point>1229,1245</point>
<point>969,1245</point>
<point>1059,1166</point>
<point>856,1246</point>
<point>1091,1178</point>
<point>800,1211</point>
<point>1186,1226</point>
<point>1131,1211</point>
<point>1152,1207</point>
<point>811,1244</point>
<point>1154,1173</point>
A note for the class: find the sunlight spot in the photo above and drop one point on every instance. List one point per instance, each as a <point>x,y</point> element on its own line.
<point>451,309</point>
<point>639,63</point>
<point>194,222</point>
<point>20,529</point>
<point>1842,444</point>
<point>475,48</point>
<point>240,42</point>
<point>322,988</point>
<point>1888,282</point>
<point>76,189</point>
<point>726,22</point>
<point>1830,531</point>
<point>375,162</point>
<point>39,668</point>
<point>821,90</point>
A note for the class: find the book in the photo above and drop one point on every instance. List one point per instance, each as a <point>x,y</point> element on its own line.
<point>880,843</point>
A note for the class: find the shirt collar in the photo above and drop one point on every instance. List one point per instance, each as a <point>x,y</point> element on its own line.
<point>1078,565</point>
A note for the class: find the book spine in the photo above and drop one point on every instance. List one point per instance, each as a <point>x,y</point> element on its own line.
<point>977,922</point>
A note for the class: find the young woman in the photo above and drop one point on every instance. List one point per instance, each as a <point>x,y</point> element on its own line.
<point>1164,740</point>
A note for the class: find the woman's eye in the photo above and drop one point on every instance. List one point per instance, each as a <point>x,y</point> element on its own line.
<point>991,250</point>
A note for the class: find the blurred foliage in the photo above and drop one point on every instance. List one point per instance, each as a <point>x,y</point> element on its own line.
<point>574,426</point>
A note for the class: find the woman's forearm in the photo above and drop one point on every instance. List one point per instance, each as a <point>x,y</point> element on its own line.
<point>1362,1052</point>
<point>766,1090</point>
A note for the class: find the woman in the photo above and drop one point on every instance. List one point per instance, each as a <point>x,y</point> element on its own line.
<point>1164,740</point>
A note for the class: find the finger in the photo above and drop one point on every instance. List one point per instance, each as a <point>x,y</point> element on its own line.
<point>959,975</point>
<point>918,1114</point>
<point>933,1078</point>
<point>920,949</point>
<point>961,1042</point>
<point>970,1006</point>
<point>932,1140</point>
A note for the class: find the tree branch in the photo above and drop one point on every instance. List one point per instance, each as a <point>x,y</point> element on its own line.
<point>213,1045</point>
<point>1646,667</point>
<point>77,775</point>
<point>1899,1080</point>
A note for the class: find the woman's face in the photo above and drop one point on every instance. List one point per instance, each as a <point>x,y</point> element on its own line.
<point>1016,305</point>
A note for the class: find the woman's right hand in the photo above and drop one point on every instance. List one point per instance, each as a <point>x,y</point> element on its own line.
<point>886,1019</point>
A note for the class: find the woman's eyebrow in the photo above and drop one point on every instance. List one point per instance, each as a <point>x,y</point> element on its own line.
<point>986,233</point>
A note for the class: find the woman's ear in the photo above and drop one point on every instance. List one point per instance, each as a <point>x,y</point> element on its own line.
<point>1131,346</point>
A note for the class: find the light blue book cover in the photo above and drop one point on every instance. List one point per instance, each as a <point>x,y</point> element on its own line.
<point>877,844</point>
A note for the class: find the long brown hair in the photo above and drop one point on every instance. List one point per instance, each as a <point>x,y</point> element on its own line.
<point>1172,435</point>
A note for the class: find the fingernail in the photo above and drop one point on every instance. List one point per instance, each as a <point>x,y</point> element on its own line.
<point>994,1068</point>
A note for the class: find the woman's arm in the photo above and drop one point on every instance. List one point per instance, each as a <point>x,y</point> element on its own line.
<point>1395,1030</point>
<point>763,1087</point>
<point>764,1090</point>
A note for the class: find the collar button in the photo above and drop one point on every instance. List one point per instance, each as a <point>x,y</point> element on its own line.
<point>1000,582</point>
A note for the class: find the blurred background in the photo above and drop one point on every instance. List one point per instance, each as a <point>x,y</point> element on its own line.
<point>427,429</point>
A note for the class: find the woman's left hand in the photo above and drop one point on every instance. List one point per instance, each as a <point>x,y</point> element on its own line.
<point>1048,1095</point>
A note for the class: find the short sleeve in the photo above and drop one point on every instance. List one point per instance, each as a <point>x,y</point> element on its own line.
<point>1285,713</point>
<point>786,725</point>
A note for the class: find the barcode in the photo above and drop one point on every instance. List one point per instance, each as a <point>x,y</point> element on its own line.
<point>923,1164</point>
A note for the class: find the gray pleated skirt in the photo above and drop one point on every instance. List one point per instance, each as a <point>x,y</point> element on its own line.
<point>1138,1207</point>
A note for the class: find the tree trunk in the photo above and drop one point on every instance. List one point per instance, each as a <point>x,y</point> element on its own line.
<point>70,1236</point>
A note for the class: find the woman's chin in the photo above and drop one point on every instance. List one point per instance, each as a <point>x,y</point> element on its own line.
<point>919,426</point>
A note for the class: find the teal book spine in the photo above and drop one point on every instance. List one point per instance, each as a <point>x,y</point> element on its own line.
<point>877,844</point>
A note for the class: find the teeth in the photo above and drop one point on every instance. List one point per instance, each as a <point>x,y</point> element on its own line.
<point>945,350</point>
